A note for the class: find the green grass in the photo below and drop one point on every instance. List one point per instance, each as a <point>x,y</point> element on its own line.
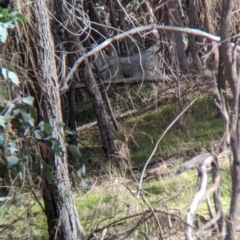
<point>199,127</point>
<point>112,197</point>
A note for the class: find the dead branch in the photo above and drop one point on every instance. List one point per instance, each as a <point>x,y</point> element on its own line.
<point>147,29</point>
<point>202,173</point>
<point>202,162</point>
<point>201,232</point>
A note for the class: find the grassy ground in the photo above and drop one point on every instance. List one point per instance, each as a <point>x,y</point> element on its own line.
<point>111,200</point>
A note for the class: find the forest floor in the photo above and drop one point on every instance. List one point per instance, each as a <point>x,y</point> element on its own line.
<point>107,203</point>
<point>111,202</point>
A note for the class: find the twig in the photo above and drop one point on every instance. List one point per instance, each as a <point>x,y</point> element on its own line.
<point>155,216</point>
<point>156,146</point>
<point>200,232</point>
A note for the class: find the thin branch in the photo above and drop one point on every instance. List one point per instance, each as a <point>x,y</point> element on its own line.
<point>156,146</point>
<point>196,200</point>
<point>155,216</point>
<point>137,30</point>
<point>200,232</point>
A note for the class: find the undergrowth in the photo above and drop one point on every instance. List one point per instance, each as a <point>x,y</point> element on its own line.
<point>111,200</point>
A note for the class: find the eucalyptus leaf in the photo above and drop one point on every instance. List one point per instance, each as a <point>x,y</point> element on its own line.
<point>29,100</point>
<point>70,132</point>
<point>31,121</point>
<point>21,176</point>
<point>21,18</point>
<point>81,172</point>
<point>32,112</point>
<point>74,151</point>
<point>38,134</point>
<point>56,147</point>
<point>12,147</point>
<point>15,112</point>
<point>2,139</point>
<point>84,183</point>
<point>13,77</point>
<point>2,121</point>
<point>5,72</point>
<point>25,115</point>
<point>3,33</point>
<point>13,13</point>
<point>48,172</point>
<point>4,12</point>
<point>60,125</point>
<point>12,160</point>
<point>47,128</point>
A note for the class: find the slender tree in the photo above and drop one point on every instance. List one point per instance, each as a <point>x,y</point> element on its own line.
<point>229,55</point>
<point>60,209</point>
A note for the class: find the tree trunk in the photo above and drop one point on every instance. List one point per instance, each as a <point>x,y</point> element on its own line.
<point>60,210</point>
<point>229,56</point>
<point>192,39</point>
<point>174,19</point>
<point>108,140</point>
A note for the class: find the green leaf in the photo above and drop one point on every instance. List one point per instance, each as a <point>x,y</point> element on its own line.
<point>32,112</point>
<point>29,100</point>
<point>48,172</point>
<point>4,12</point>
<point>46,127</point>
<point>5,72</point>
<point>2,121</point>
<point>13,77</point>
<point>70,132</point>
<point>3,34</point>
<point>60,125</point>
<point>15,112</point>
<point>84,183</point>
<point>13,13</point>
<point>38,134</point>
<point>12,147</point>
<point>12,160</point>
<point>31,121</point>
<point>74,151</point>
<point>81,171</point>
<point>56,147</point>
<point>2,139</point>
<point>25,115</point>
<point>21,18</point>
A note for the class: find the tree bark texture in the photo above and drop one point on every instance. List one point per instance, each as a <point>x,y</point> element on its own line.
<point>108,139</point>
<point>229,56</point>
<point>174,19</point>
<point>192,38</point>
<point>107,136</point>
<point>60,210</point>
